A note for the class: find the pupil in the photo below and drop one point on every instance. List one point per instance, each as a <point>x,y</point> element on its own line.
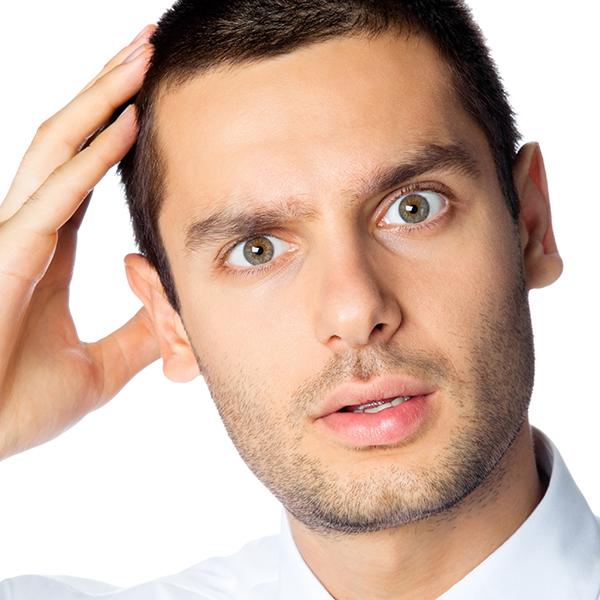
<point>257,250</point>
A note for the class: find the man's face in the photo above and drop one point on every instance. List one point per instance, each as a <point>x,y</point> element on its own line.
<point>339,243</point>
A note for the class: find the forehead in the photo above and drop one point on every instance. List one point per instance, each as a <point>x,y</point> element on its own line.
<point>317,119</point>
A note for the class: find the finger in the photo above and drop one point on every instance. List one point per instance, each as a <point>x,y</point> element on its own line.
<point>60,138</point>
<point>36,223</point>
<point>142,38</point>
<point>59,271</point>
<point>55,202</point>
<point>125,352</point>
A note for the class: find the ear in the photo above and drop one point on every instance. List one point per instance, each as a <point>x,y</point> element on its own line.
<point>541,260</point>
<point>179,362</point>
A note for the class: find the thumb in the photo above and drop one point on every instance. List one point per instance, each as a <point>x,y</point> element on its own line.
<point>124,353</point>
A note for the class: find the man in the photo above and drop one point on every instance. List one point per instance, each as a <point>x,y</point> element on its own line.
<point>423,317</point>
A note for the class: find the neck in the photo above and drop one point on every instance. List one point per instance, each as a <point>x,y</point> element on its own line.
<point>398,564</point>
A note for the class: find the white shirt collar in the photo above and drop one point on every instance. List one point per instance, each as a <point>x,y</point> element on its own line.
<point>554,555</point>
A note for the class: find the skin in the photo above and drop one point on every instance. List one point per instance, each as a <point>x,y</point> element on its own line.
<point>351,288</point>
<point>339,301</point>
<point>49,379</point>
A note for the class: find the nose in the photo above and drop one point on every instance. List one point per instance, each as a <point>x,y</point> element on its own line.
<point>354,303</point>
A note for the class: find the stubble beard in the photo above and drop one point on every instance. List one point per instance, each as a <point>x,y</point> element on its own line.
<point>493,402</point>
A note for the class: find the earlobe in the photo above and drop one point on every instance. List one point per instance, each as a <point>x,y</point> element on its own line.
<point>541,260</point>
<point>179,362</point>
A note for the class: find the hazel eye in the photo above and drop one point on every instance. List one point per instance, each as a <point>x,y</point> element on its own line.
<point>415,207</point>
<point>257,252</point>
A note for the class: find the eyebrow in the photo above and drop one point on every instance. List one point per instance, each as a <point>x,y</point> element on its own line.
<point>232,222</point>
<point>432,157</point>
<point>236,222</point>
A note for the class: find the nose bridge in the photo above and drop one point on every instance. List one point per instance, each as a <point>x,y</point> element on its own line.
<point>354,307</point>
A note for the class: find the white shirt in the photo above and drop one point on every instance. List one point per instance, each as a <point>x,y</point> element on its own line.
<point>554,555</point>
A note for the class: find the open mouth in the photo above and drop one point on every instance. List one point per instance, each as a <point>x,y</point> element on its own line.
<point>375,406</point>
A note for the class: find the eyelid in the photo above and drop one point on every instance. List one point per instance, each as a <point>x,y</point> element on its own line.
<point>249,270</point>
<point>420,186</point>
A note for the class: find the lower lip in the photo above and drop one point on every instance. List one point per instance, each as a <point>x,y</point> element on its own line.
<point>387,427</point>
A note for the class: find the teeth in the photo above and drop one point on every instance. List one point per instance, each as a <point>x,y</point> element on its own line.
<point>400,400</point>
<point>379,407</point>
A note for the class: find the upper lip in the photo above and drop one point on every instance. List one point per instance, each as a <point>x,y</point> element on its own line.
<point>381,388</point>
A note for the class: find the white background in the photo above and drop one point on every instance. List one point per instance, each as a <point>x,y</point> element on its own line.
<point>151,484</point>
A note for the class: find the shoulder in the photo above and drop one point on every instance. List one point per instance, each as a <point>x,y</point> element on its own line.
<point>253,572</point>
<point>250,574</point>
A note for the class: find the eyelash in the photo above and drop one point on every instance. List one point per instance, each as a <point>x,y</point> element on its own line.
<point>421,186</point>
<point>241,271</point>
<point>246,272</point>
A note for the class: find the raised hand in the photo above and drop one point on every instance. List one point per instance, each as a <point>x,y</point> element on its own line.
<point>49,379</point>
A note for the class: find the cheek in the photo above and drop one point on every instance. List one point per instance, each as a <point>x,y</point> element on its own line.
<point>262,332</point>
<point>457,289</point>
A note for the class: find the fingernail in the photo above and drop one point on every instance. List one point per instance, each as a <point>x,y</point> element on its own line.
<point>140,34</point>
<point>135,53</point>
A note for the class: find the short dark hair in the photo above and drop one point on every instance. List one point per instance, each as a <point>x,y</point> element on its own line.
<point>195,36</point>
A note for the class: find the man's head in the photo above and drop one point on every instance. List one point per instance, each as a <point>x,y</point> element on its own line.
<point>349,271</point>
<point>196,37</point>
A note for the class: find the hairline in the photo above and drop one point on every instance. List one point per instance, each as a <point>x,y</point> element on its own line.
<point>174,81</point>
